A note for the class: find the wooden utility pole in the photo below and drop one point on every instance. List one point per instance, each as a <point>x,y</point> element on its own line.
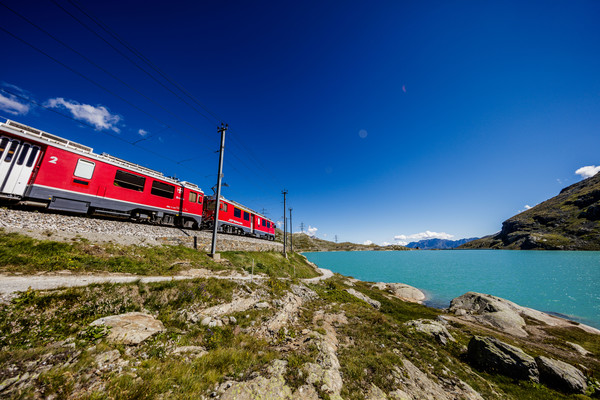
<point>213,248</point>
<point>284,192</point>
<point>291,233</point>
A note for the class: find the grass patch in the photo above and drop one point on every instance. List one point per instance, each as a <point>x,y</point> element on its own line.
<point>20,253</point>
<point>271,263</point>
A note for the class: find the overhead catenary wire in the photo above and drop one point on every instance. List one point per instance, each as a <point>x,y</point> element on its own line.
<point>102,69</point>
<point>249,165</point>
<point>105,28</point>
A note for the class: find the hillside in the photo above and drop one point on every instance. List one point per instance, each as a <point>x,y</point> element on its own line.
<point>568,221</point>
<point>303,242</point>
<point>283,333</point>
<point>438,244</point>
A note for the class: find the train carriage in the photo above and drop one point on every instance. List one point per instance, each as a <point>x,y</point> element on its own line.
<point>237,219</point>
<point>37,168</point>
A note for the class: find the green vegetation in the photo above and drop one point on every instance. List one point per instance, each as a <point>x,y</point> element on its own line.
<point>303,242</point>
<point>272,264</point>
<point>46,336</point>
<point>19,253</point>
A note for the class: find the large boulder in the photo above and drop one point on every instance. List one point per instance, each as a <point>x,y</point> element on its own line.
<point>492,355</point>
<point>130,328</point>
<point>560,375</point>
<point>432,328</point>
<point>402,291</point>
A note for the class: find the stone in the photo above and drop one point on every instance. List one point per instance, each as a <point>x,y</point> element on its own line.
<point>492,355</point>
<point>402,291</point>
<point>432,328</point>
<point>107,357</point>
<point>579,349</point>
<point>193,350</point>
<point>373,303</point>
<point>262,305</point>
<point>375,394</point>
<point>560,375</point>
<point>130,328</point>
<point>505,315</point>
<point>259,388</point>
<point>205,321</point>
<point>306,392</point>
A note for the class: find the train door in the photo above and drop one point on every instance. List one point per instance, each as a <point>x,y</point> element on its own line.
<point>17,161</point>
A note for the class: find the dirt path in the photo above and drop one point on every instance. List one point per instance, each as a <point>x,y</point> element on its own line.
<point>18,283</point>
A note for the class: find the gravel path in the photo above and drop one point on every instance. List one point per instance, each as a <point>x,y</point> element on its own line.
<point>10,284</point>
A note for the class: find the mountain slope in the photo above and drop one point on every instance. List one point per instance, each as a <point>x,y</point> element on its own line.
<point>568,221</point>
<point>438,244</point>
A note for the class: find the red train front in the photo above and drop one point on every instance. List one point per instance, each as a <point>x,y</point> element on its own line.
<point>37,168</point>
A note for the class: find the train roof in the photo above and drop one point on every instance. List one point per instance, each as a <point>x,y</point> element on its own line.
<point>58,141</point>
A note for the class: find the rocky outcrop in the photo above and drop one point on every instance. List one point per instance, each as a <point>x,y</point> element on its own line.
<point>373,303</point>
<point>131,328</point>
<point>568,221</point>
<point>503,314</point>
<point>560,375</point>
<point>288,309</point>
<point>402,291</point>
<point>432,328</point>
<point>273,388</point>
<point>492,355</point>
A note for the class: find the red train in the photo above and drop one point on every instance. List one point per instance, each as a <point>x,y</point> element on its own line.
<point>43,170</point>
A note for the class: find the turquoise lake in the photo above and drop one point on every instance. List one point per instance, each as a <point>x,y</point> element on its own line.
<point>561,282</point>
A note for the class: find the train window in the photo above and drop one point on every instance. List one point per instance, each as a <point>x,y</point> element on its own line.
<point>237,212</point>
<point>11,150</point>
<point>85,169</point>
<point>193,197</point>
<point>199,199</point>
<point>162,190</point>
<point>223,207</point>
<point>34,152</point>
<point>23,154</point>
<point>3,144</point>
<point>264,223</point>
<point>210,206</point>
<point>246,216</point>
<point>128,180</point>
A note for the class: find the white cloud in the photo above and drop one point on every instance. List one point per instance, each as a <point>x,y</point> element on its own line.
<point>367,242</point>
<point>311,231</point>
<point>588,171</point>
<point>527,206</point>
<point>415,237</point>
<point>279,224</point>
<point>386,244</point>
<point>142,132</point>
<point>98,116</point>
<point>11,105</point>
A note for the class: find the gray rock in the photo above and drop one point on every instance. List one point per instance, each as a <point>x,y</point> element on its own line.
<point>130,328</point>
<point>233,320</point>
<point>402,291</point>
<point>206,321</point>
<point>365,298</point>
<point>492,355</point>
<point>579,349</point>
<point>259,388</point>
<point>432,328</point>
<point>262,305</point>
<point>560,375</point>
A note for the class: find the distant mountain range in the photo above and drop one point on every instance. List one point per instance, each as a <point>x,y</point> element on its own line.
<point>568,221</point>
<point>438,244</point>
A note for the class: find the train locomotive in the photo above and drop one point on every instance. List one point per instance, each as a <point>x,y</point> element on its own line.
<point>38,169</point>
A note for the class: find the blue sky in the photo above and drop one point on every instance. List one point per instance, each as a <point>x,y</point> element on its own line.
<point>387,121</point>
